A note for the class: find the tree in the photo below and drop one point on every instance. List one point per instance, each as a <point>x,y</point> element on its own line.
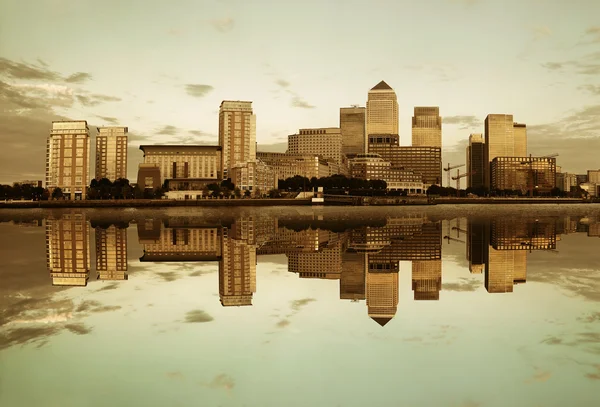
<point>57,193</point>
<point>274,193</point>
<point>237,192</point>
<point>556,192</point>
<point>228,184</point>
<point>247,193</point>
<point>257,193</point>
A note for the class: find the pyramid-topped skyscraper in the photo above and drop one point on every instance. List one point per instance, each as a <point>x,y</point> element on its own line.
<point>382,110</point>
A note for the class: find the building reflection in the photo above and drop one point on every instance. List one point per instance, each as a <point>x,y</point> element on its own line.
<point>68,249</point>
<point>364,256</point>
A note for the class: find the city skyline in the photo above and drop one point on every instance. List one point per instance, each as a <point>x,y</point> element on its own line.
<point>169,99</point>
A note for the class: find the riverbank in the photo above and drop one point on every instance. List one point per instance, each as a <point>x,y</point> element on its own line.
<point>384,201</point>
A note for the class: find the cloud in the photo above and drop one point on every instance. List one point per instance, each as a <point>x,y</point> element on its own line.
<point>591,318</point>
<point>587,65</point>
<point>283,323</point>
<point>595,375</point>
<point>198,316</point>
<point>92,100</point>
<point>20,70</point>
<point>540,376</point>
<point>198,90</point>
<point>168,130</point>
<point>297,101</point>
<point>168,276</point>
<point>111,120</point>
<point>591,36</point>
<point>175,32</point>
<point>465,122</point>
<point>593,89</point>
<point>78,77</point>
<point>223,25</point>
<point>273,148</point>
<point>222,381</point>
<point>199,133</point>
<point>297,304</point>
<point>465,284</point>
<point>95,307</point>
<point>78,328</point>
<point>283,83</point>
<point>175,375</point>
<point>24,335</point>
<point>541,32</point>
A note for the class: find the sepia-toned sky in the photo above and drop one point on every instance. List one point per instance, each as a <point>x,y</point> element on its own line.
<point>162,68</point>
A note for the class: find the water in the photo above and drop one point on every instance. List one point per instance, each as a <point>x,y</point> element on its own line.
<point>434,306</point>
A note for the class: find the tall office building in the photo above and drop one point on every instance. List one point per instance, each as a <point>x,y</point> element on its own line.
<point>111,253</point>
<point>427,127</point>
<point>68,158</point>
<point>499,140</point>
<point>68,249</point>
<point>520,131</point>
<point>426,279</point>
<point>382,293</point>
<point>475,161</point>
<point>237,134</point>
<point>111,153</point>
<point>353,126</point>
<point>382,110</point>
<point>237,268</point>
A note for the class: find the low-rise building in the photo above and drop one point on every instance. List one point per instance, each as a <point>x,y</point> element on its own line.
<point>372,167</point>
<point>325,142</point>
<point>148,176</point>
<point>305,165</point>
<point>254,176</point>
<point>519,173</point>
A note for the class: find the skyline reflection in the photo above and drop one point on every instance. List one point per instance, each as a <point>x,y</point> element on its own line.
<point>364,256</point>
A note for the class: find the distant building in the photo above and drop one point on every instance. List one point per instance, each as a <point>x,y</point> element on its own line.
<point>305,165</point>
<point>185,166</point>
<point>581,178</point>
<point>518,173</point>
<point>475,161</point>
<point>425,161</point>
<point>353,126</point>
<point>426,279</point>
<point>382,292</point>
<point>111,153</point>
<point>237,134</point>
<point>31,183</point>
<point>373,167</point>
<point>593,176</point>
<point>68,158</point>
<point>427,127</point>
<point>591,188</point>
<point>237,268</point>
<point>566,181</point>
<point>353,277</point>
<point>382,110</point>
<point>148,176</point>
<point>68,249</point>
<point>324,142</point>
<point>254,176</point>
<point>499,140</point>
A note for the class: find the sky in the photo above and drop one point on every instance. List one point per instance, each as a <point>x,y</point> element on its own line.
<point>163,68</point>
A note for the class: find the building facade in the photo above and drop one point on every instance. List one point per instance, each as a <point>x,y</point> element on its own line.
<point>68,158</point>
<point>324,142</point>
<point>427,127</point>
<point>593,176</point>
<point>237,134</point>
<point>184,162</point>
<point>475,161</point>
<point>305,165</point>
<point>254,176</point>
<point>111,153</point>
<point>353,126</point>
<point>520,134</point>
<point>503,138</point>
<point>111,253</point>
<point>382,110</point>
<point>425,161</point>
<point>519,173</point>
<point>372,167</point>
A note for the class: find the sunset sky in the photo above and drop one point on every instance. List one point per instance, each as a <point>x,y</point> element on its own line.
<point>162,68</point>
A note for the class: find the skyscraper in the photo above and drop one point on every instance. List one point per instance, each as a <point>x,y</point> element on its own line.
<point>520,131</point>
<point>67,158</point>
<point>427,127</point>
<point>353,125</point>
<point>475,161</point>
<point>382,110</point>
<point>382,293</point>
<point>237,134</point>
<point>111,153</point>
<point>111,253</point>
<point>499,140</point>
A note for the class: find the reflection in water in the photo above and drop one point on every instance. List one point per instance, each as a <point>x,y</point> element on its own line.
<point>365,257</point>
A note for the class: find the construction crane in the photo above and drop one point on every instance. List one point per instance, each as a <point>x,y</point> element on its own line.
<point>458,230</point>
<point>458,177</point>
<point>449,167</point>
<point>448,238</point>
<point>530,185</point>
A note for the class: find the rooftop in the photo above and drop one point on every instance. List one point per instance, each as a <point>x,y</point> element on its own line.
<point>382,86</point>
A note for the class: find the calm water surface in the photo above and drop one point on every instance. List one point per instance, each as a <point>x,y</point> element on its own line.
<point>433,306</point>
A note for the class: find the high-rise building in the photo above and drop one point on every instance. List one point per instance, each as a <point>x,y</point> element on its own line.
<point>68,249</point>
<point>475,161</point>
<point>353,126</point>
<point>523,173</point>
<point>372,167</point>
<point>382,110</point>
<point>237,268</point>
<point>499,140</point>
<point>68,158</point>
<point>427,127</point>
<point>237,134</point>
<point>520,134</point>
<point>593,176</point>
<point>324,142</point>
<point>353,278</point>
<point>382,292</point>
<point>111,153</point>
<point>111,253</point>
<point>427,279</point>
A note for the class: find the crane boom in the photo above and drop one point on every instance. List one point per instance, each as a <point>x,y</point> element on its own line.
<point>451,167</point>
